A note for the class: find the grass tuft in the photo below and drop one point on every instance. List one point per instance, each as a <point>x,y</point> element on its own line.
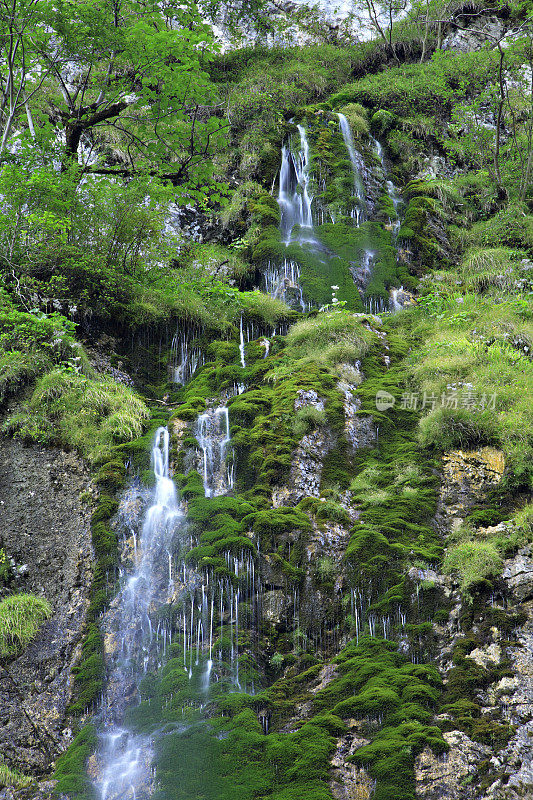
<point>21,615</point>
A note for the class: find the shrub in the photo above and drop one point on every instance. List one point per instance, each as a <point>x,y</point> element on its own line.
<point>510,227</point>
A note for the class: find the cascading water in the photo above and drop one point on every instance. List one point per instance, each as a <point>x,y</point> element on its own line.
<point>392,191</point>
<point>124,757</point>
<point>294,199</point>
<point>213,435</point>
<point>360,210</point>
<point>295,202</point>
<point>241,345</point>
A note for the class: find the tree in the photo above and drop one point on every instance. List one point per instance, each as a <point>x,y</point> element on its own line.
<point>381,14</point>
<point>23,36</point>
<point>122,81</point>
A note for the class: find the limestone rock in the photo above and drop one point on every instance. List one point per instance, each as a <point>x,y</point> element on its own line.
<point>518,572</point>
<point>349,782</point>
<point>275,606</point>
<point>482,31</point>
<point>448,776</point>
<point>487,656</point>
<point>44,524</point>
<point>467,476</point>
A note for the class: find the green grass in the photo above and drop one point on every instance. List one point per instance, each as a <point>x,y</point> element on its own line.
<point>429,88</point>
<point>81,413</point>
<point>21,616</point>
<point>475,350</point>
<point>474,561</point>
<point>12,779</point>
<point>327,340</point>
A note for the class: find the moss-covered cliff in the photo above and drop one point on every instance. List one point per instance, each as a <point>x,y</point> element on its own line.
<point>337,337</point>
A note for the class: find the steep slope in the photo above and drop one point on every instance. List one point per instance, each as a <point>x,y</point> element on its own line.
<point>312,538</point>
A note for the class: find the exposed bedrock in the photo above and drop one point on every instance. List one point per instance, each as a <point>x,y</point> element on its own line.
<point>44,529</point>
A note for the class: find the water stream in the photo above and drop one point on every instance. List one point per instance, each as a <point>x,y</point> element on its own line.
<point>295,202</point>
<point>392,191</point>
<point>360,210</point>
<point>213,436</point>
<point>126,757</point>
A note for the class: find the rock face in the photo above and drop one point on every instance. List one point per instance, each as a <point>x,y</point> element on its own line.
<point>515,762</point>
<point>482,31</point>
<point>307,460</point>
<point>449,777</point>
<point>349,782</point>
<point>468,475</point>
<point>44,527</point>
<point>470,770</point>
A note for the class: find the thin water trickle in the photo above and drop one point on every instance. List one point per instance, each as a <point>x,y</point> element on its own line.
<point>213,436</point>
<point>241,346</point>
<point>360,210</point>
<point>392,191</point>
<point>185,358</point>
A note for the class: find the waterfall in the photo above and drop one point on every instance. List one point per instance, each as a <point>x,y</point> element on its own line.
<point>360,210</point>
<point>294,199</point>
<point>295,203</point>
<point>213,436</point>
<point>185,358</point>
<point>392,191</point>
<point>283,283</point>
<point>361,272</point>
<point>241,346</point>
<point>126,757</point>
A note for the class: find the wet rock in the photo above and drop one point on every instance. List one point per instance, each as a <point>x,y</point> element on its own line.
<point>349,782</point>
<point>275,606</point>
<point>515,696</point>
<point>360,431</point>
<point>101,362</point>
<point>450,776</point>
<point>400,298</point>
<point>306,469</point>
<point>467,476</point>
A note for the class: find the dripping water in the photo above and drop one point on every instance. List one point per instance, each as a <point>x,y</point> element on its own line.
<point>360,211</point>
<point>213,436</point>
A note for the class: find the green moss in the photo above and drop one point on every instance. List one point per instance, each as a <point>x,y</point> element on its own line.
<point>221,527</point>
<point>376,682</point>
<point>70,771</point>
<point>382,121</point>
<point>89,673</point>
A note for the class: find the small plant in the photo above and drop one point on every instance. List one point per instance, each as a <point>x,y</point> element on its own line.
<point>308,418</point>
<point>325,569</point>
<point>277,661</point>
<point>474,561</point>
<point>21,615</point>
<point>13,779</point>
